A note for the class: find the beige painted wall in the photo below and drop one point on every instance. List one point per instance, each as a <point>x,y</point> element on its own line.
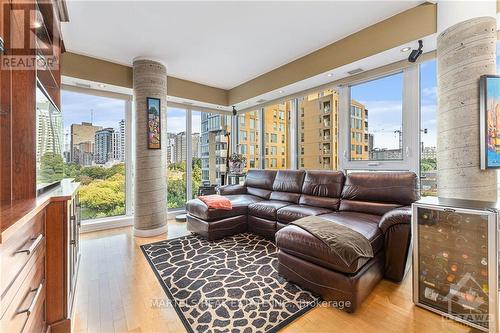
<point>88,68</point>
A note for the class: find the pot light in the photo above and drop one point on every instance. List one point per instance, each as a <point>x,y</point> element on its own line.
<point>101,85</point>
<point>329,74</point>
<point>406,49</point>
<point>281,91</point>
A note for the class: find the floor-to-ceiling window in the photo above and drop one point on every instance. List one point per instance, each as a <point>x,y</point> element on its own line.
<point>94,151</point>
<point>428,133</point>
<point>276,135</point>
<point>176,157</point>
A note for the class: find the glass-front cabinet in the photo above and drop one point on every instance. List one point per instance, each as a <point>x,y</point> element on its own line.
<point>455,266</point>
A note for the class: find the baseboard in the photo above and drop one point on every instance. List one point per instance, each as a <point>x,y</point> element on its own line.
<point>104,224</point>
<point>151,232</point>
<point>63,326</point>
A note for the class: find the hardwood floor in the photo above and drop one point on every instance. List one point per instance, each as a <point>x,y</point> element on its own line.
<point>116,289</point>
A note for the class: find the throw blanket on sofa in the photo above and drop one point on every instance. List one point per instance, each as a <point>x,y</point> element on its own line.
<point>348,244</point>
<point>216,201</point>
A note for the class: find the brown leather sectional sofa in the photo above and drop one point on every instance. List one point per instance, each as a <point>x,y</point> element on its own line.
<point>377,205</point>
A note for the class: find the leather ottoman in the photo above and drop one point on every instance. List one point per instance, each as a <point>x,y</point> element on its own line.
<point>217,223</point>
<point>307,261</point>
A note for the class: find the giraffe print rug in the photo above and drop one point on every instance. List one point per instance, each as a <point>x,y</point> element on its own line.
<point>229,285</point>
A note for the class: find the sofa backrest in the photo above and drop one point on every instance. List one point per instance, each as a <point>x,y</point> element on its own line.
<point>322,189</point>
<point>260,182</point>
<point>287,185</point>
<point>378,192</point>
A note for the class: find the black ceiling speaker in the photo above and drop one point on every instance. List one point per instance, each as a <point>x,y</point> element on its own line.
<point>234,111</point>
<point>416,53</point>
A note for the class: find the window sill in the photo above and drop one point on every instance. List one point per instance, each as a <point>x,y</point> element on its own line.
<point>120,221</point>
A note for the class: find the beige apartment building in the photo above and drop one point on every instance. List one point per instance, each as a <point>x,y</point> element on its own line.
<point>82,133</point>
<point>318,131</point>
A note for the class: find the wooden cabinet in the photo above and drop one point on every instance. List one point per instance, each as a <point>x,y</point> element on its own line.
<point>39,259</point>
<point>63,253</point>
<point>22,256</point>
<point>73,247</point>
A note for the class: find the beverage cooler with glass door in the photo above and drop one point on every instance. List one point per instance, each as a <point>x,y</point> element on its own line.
<point>455,260</point>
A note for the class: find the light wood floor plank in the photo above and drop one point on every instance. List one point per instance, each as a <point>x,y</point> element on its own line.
<point>116,290</point>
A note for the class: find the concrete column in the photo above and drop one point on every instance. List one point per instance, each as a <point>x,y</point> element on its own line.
<point>150,172</point>
<point>466,49</point>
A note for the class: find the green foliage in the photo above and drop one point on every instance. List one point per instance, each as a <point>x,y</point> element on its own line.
<point>51,168</point>
<point>103,191</point>
<point>428,164</point>
<point>176,182</point>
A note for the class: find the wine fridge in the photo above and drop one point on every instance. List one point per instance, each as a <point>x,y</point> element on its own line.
<point>455,260</point>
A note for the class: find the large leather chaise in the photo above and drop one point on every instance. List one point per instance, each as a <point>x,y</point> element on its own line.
<point>374,204</point>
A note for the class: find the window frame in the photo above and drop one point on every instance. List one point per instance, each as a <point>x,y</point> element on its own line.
<point>410,125</point>
<point>129,151</point>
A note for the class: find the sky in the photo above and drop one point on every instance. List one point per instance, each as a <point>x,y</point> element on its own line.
<point>77,107</point>
<point>382,98</point>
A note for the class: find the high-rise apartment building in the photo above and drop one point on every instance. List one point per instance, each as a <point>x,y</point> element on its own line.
<point>214,145</point>
<point>49,128</point>
<point>121,155</point>
<point>195,145</point>
<point>318,131</point>
<point>104,142</point>
<point>79,133</point>
<point>248,138</point>
<point>276,121</point>
<point>170,148</point>
<point>180,147</point>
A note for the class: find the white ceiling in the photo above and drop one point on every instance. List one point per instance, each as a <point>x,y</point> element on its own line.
<point>221,44</point>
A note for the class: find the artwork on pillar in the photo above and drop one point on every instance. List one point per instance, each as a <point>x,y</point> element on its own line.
<point>490,121</point>
<point>154,126</point>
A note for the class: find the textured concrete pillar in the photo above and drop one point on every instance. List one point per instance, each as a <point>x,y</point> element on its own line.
<point>150,173</point>
<point>465,51</point>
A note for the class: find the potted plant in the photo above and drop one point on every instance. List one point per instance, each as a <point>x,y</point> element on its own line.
<point>237,163</point>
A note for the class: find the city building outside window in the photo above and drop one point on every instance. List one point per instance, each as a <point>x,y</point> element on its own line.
<point>316,130</point>
<point>251,124</point>
<point>215,140</point>
<point>276,127</point>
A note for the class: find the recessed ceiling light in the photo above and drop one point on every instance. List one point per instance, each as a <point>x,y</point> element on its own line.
<point>101,85</point>
<point>281,91</point>
<point>406,49</point>
<point>329,74</point>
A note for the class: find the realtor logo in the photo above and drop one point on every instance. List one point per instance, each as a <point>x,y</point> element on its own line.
<point>29,42</point>
<point>470,295</point>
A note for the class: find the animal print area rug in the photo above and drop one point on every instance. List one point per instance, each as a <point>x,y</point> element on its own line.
<point>229,285</point>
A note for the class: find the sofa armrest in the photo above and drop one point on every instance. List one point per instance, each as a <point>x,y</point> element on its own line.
<point>232,189</point>
<point>396,216</point>
<point>396,227</point>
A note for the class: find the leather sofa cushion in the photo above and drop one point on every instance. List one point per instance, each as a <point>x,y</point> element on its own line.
<point>323,183</point>
<point>266,209</point>
<point>299,243</point>
<point>260,182</point>
<point>287,185</point>
<point>289,181</point>
<point>240,204</point>
<point>263,179</point>
<point>378,192</point>
<point>294,212</point>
